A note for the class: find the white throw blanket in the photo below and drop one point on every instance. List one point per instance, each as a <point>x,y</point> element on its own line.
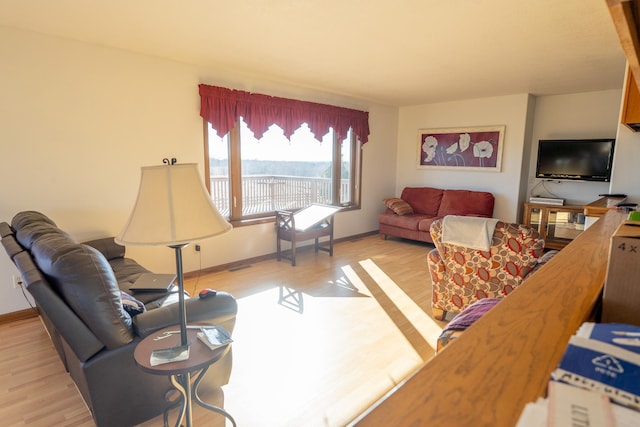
<point>468,231</point>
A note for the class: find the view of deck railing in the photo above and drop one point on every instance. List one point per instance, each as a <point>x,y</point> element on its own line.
<point>266,193</point>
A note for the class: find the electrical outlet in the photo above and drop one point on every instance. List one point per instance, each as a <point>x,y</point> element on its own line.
<point>17,282</point>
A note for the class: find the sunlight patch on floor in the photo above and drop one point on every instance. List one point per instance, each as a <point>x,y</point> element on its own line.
<point>424,324</point>
<point>355,280</point>
<point>298,361</point>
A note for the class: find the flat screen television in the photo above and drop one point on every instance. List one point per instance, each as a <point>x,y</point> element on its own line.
<point>575,159</point>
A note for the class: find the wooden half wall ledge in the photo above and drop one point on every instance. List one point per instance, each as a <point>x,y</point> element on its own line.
<point>505,360</point>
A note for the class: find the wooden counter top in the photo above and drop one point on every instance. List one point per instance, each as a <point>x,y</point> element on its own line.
<point>602,205</point>
<point>487,375</point>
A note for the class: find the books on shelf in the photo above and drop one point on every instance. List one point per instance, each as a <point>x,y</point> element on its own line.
<point>214,336</point>
<point>541,414</point>
<point>547,200</point>
<point>573,406</point>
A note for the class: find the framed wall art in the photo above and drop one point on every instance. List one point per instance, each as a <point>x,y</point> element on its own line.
<point>472,148</point>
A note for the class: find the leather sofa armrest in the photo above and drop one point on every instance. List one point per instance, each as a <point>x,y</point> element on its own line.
<point>11,246</point>
<point>5,229</point>
<point>108,247</point>
<point>220,309</point>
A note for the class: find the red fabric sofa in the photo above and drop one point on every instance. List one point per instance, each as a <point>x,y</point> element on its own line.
<point>429,204</point>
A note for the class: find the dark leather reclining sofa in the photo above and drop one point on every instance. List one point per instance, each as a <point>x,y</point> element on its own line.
<point>78,290</point>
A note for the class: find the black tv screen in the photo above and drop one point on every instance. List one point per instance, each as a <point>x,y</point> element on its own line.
<point>575,159</point>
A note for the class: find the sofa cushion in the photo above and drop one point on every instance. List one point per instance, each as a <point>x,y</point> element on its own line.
<point>127,271</point>
<point>425,223</point>
<point>398,206</point>
<point>423,200</point>
<point>409,222</point>
<point>84,278</point>
<point>28,217</point>
<point>108,247</point>
<point>465,202</point>
<point>27,233</point>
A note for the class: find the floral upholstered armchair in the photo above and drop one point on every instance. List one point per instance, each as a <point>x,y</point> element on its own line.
<point>461,275</point>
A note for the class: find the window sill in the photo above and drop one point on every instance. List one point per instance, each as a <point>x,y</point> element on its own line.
<point>271,218</point>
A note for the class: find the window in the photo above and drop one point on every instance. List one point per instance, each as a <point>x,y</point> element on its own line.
<point>249,178</point>
<point>266,153</point>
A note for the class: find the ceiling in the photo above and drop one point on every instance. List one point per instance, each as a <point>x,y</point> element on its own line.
<point>402,52</point>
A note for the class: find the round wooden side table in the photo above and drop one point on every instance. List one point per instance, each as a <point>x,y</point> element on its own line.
<point>180,373</point>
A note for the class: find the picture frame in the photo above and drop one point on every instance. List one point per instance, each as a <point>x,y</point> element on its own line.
<point>467,148</point>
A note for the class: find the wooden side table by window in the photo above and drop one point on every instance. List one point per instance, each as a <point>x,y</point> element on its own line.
<point>180,373</point>
<point>312,222</point>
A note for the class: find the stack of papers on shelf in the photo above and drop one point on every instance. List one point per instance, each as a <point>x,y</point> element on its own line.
<point>572,406</point>
<point>604,357</point>
<point>214,336</point>
<point>543,413</point>
<point>597,382</point>
<point>622,335</point>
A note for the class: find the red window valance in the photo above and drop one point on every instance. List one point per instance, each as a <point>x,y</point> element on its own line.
<point>223,107</point>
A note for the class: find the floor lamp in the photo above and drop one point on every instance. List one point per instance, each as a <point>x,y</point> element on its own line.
<point>173,209</point>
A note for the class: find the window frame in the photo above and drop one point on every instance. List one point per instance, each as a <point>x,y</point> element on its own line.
<point>235,176</point>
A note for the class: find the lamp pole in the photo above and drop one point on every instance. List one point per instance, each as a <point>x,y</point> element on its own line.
<point>182,313</point>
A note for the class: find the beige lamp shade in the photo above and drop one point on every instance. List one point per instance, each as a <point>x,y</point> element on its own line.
<point>172,208</point>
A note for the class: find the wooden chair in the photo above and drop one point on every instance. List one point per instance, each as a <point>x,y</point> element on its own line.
<point>313,222</point>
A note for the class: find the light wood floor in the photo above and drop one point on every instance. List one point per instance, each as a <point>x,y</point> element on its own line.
<point>314,344</point>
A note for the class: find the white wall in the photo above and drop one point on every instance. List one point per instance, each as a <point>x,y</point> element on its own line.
<point>625,163</point>
<point>527,119</point>
<point>77,121</point>
<point>511,111</point>
<point>580,115</point>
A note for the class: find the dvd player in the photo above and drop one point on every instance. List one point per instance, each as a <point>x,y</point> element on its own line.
<point>546,201</point>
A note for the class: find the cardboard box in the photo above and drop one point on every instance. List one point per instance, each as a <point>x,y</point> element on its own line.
<point>621,298</point>
<point>602,367</point>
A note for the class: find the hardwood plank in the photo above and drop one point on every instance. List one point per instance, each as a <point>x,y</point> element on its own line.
<point>36,390</point>
<point>315,344</point>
